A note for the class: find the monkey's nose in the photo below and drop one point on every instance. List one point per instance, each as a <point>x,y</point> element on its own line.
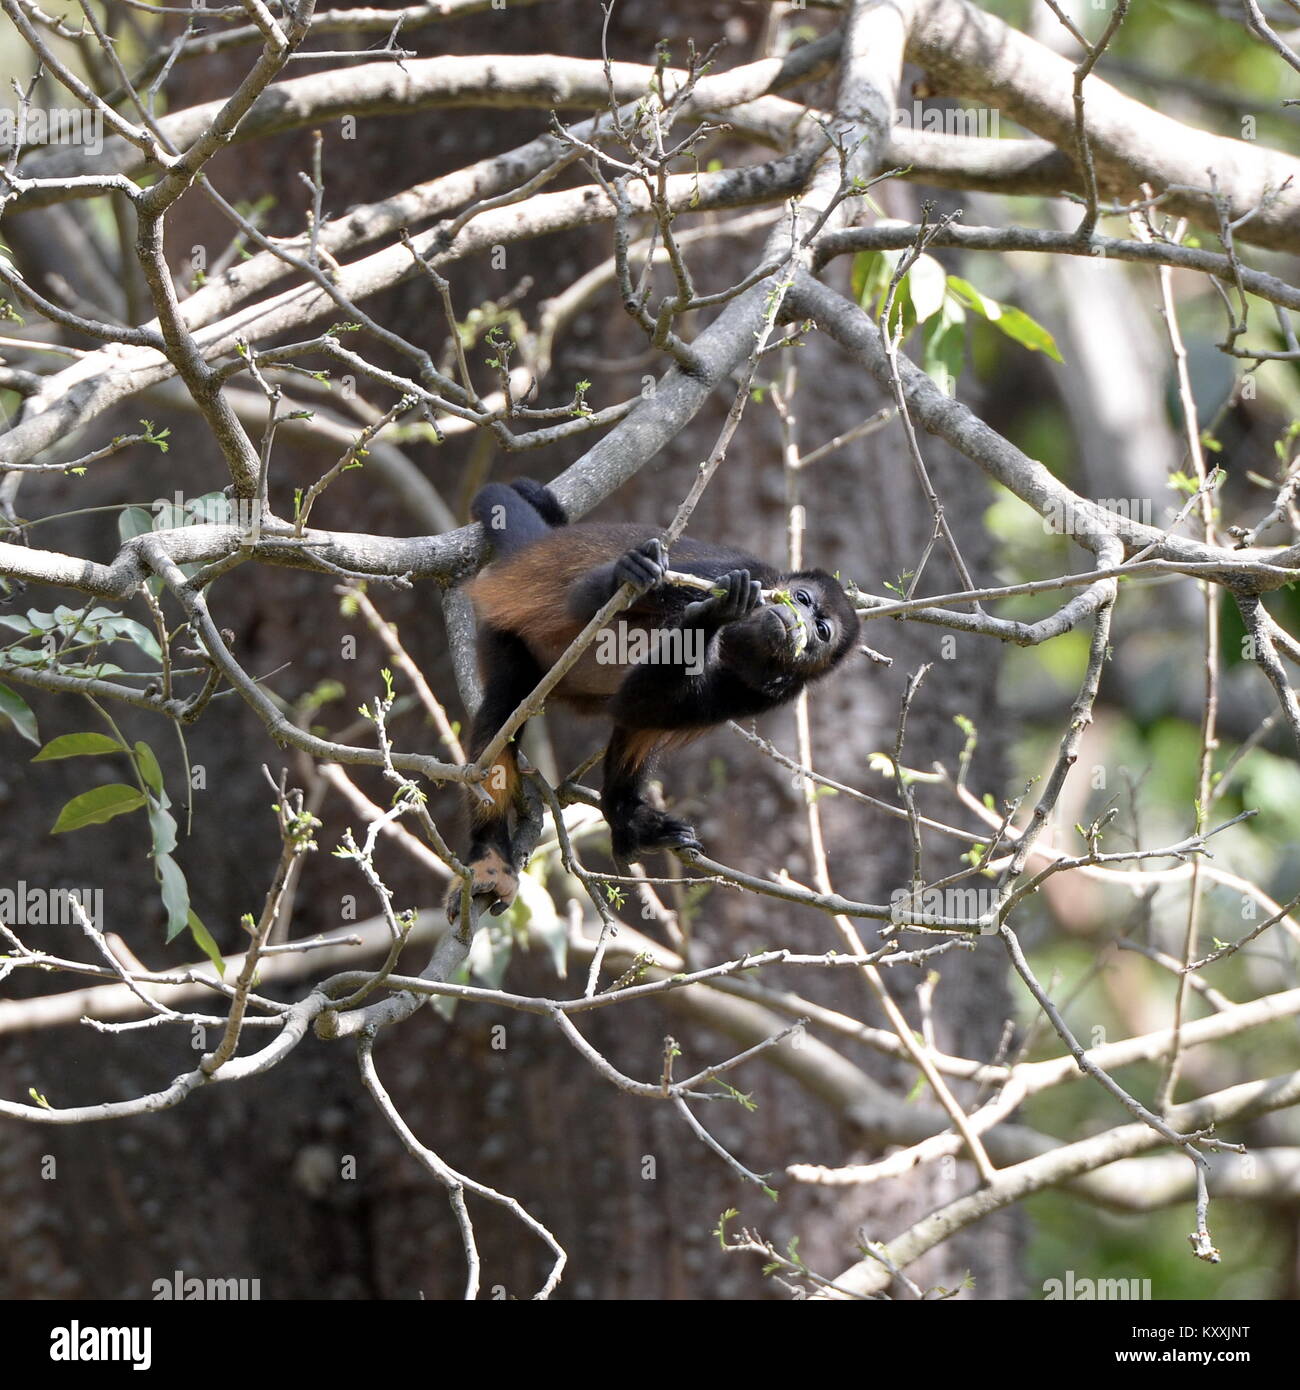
<point>788,619</point>
<point>783,615</point>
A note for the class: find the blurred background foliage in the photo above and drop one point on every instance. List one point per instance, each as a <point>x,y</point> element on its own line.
<point>1194,61</point>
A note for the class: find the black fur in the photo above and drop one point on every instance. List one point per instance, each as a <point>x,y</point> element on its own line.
<point>752,661</point>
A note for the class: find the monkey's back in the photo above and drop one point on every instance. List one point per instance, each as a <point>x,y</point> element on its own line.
<point>527,594</point>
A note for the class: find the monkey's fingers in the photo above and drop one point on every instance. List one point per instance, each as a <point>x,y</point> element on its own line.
<point>636,570</point>
<point>737,596</point>
<point>714,586</point>
<point>654,549</point>
<point>643,567</point>
<point>746,593</point>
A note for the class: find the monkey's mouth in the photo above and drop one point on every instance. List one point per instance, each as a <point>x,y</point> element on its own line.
<point>791,625</point>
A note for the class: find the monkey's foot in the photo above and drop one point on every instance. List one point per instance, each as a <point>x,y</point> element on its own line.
<point>647,829</point>
<point>492,878</point>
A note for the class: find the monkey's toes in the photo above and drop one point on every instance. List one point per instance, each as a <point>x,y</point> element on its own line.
<point>675,834</point>
<point>491,879</point>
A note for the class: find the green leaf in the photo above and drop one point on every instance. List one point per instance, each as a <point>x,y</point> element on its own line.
<point>17,711</point>
<point>443,1004</point>
<point>114,626</point>
<point>22,656</point>
<point>77,746</point>
<point>870,277</point>
<point>927,285</point>
<point>489,955</point>
<point>972,298</point>
<point>162,824</point>
<point>175,895</point>
<point>203,940</point>
<point>212,509</point>
<point>1017,325</point>
<point>943,352</point>
<point>148,767</point>
<point>98,805</point>
<point>134,521</point>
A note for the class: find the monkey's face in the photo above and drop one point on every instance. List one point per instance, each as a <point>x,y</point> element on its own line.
<point>800,635</point>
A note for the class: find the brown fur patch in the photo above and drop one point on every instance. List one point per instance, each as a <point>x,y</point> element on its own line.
<point>502,785</point>
<point>526,593</point>
<point>640,745</point>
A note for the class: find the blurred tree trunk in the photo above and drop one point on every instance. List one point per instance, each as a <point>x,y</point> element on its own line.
<point>243,1180</point>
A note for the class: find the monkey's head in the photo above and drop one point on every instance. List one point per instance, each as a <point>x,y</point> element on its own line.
<point>797,637</point>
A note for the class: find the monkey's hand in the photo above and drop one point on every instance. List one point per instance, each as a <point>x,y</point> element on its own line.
<point>740,596</point>
<point>643,567</point>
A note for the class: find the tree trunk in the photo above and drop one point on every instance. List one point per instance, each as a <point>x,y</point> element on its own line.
<point>244,1180</point>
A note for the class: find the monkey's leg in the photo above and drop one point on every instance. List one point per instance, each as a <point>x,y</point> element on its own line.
<point>509,675</point>
<point>635,826</point>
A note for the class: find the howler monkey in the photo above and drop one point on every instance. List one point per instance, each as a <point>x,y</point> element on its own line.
<point>684,660</point>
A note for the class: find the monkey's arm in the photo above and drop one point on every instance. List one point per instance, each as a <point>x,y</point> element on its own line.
<point>671,697</point>
<point>643,568</point>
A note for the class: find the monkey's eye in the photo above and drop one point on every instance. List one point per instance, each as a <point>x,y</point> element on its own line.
<point>802,596</point>
<point>823,630</point>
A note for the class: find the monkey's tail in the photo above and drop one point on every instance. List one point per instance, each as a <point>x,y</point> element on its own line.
<point>516,515</point>
<point>544,502</point>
